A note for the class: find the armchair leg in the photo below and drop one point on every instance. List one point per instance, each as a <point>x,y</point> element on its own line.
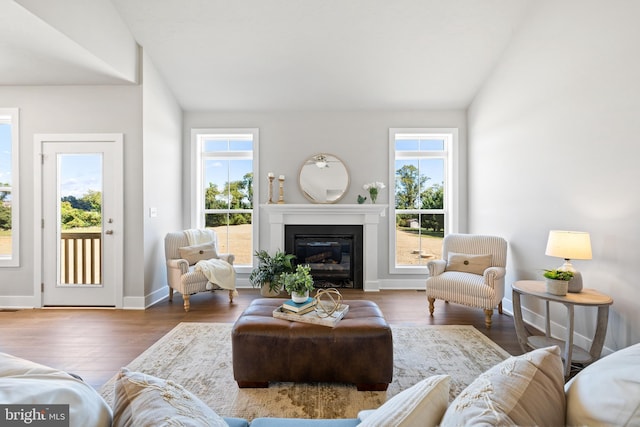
<point>500,307</point>
<point>187,304</point>
<point>431,301</point>
<point>170,293</point>
<point>230,296</point>
<point>487,318</point>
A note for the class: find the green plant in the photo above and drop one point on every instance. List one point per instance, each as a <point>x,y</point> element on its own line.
<point>299,281</point>
<point>558,275</point>
<point>270,269</point>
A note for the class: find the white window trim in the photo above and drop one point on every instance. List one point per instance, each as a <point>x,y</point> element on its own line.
<point>197,219</point>
<point>14,259</point>
<point>452,191</point>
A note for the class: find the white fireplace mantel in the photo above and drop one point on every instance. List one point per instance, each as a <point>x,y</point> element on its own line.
<point>367,215</point>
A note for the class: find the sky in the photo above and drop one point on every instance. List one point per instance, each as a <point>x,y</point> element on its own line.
<point>80,173</point>
<point>433,168</point>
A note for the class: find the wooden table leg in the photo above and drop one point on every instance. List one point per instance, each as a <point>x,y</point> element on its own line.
<point>521,331</point>
<point>568,343</point>
<point>601,331</point>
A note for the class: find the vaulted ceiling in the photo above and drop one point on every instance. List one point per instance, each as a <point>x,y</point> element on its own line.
<point>261,55</point>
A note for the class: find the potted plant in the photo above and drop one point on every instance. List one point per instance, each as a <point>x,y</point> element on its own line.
<point>267,275</point>
<point>298,283</point>
<point>557,281</point>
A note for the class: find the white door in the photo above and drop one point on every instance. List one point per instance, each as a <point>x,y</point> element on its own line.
<point>82,216</point>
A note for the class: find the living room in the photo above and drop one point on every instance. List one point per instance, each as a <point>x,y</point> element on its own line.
<point>534,144</point>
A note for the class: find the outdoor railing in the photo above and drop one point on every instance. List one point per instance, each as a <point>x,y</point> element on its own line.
<point>80,258</point>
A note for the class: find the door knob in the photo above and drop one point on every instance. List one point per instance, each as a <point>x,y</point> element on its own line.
<point>108,232</point>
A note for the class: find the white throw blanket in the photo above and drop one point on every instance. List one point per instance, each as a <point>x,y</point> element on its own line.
<point>196,236</point>
<point>218,272</point>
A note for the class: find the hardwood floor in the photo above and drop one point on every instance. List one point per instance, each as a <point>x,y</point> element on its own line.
<point>95,343</point>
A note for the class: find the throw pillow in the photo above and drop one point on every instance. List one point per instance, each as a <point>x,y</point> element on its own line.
<point>420,405</point>
<point>143,400</point>
<point>196,253</point>
<point>23,382</point>
<point>605,392</point>
<point>466,263</point>
<point>522,390</point>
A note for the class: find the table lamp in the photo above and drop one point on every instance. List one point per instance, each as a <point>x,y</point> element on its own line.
<point>570,245</point>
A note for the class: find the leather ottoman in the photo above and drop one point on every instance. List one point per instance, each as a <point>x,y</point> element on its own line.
<point>358,350</point>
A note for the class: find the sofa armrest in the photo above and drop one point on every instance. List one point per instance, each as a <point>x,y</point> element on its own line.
<point>178,264</point>
<point>436,267</point>
<point>493,275</point>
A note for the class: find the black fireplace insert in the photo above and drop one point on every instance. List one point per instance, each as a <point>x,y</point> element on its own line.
<point>334,252</point>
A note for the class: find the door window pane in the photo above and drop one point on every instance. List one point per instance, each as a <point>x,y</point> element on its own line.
<point>80,213</point>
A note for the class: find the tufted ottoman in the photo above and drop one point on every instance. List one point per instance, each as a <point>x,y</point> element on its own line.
<point>358,350</point>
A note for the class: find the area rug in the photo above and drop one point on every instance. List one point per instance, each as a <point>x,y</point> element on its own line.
<point>198,356</point>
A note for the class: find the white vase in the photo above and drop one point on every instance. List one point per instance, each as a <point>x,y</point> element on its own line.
<point>299,297</point>
<point>557,287</point>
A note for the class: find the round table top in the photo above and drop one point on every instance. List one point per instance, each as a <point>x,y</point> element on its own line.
<point>585,297</point>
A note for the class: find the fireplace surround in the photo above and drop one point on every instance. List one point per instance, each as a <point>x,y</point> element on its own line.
<point>366,215</point>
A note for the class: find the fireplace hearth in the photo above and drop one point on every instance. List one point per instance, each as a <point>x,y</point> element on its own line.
<point>334,252</point>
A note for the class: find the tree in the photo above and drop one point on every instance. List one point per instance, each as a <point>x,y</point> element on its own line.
<point>234,195</point>
<point>83,212</point>
<point>408,185</point>
<point>5,216</point>
<point>433,198</point>
<point>94,200</point>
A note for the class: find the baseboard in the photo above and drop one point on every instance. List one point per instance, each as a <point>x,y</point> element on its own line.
<point>18,302</point>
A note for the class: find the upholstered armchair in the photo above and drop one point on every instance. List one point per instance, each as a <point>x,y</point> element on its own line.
<point>471,272</point>
<point>183,251</point>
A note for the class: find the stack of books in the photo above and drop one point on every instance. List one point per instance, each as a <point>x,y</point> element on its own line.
<point>299,308</point>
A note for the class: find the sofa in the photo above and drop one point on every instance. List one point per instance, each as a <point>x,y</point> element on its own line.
<point>522,390</point>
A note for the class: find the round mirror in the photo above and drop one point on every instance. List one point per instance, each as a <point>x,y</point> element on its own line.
<point>323,178</point>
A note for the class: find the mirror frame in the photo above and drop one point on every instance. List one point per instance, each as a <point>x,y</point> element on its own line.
<point>314,158</point>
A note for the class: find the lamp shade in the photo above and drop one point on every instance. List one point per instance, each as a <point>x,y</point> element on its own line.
<point>569,244</point>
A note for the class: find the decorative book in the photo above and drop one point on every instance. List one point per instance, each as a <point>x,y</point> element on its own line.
<point>301,312</point>
<point>312,316</point>
<point>301,307</point>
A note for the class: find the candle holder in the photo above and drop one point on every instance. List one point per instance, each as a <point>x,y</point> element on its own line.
<point>271,178</point>
<point>281,188</point>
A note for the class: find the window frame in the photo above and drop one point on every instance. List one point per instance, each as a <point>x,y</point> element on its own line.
<point>11,116</point>
<point>451,190</point>
<point>197,190</point>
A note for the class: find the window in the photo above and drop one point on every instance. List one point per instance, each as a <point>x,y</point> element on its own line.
<point>224,186</point>
<point>9,230</point>
<point>423,171</point>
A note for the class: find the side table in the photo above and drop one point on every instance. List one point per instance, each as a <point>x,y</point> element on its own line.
<point>571,352</point>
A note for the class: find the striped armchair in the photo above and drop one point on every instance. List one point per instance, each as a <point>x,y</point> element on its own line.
<point>182,253</point>
<point>471,272</point>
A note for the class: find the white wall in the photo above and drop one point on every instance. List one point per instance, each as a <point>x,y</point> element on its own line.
<point>360,139</point>
<point>74,109</point>
<point>553,144</point>
<point>162,169</point>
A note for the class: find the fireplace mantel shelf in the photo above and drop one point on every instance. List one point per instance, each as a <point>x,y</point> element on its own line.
<point>325,209</point>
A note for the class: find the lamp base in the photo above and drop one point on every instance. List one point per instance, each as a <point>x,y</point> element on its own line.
<point>575,284</point>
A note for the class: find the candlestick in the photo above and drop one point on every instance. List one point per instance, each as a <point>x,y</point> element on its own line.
<point>270,175</point>
<point>271,178</point>
<point>281,185</point>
